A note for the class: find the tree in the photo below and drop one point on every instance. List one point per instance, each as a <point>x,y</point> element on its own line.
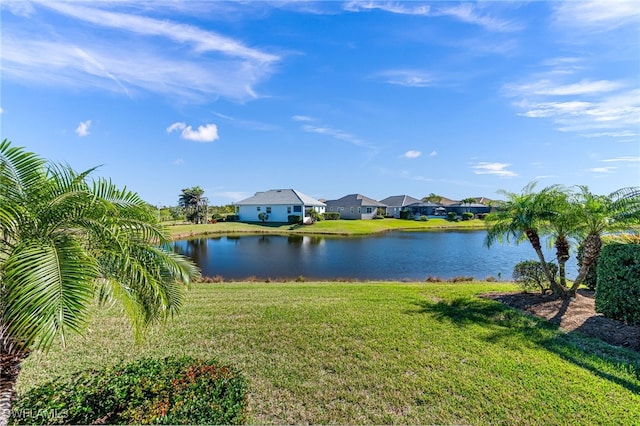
<point>521,217</point>
<point>194,204</point>
<point>561,225</point>
<point>64,241</point>
<point>597,214</point>
<point>468,201</point>
<point>433,198</point>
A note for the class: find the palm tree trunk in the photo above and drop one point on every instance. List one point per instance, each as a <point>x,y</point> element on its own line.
<point>562,254</point>
<point>592,246</point>
<point>10,361</point>
<point>534,239</point>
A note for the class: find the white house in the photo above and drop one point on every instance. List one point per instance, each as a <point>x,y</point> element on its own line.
<point>277,205</point>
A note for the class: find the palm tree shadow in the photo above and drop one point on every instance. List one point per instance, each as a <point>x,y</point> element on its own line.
<point>504,323</point>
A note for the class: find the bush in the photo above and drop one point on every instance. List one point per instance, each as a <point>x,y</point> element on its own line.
<point>424,218</point>
<point>467,216</point>
<point>233,218</point>
<point>331,215</point>
<point>452,216</point>
<point>618,290</point>
<point>175,390</point>
<point>294,219</point>
<point>314,215</point>
<point>406,214</point>
<point>530,276</point>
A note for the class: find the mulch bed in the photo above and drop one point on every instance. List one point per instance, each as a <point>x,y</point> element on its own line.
<point>574,315</point>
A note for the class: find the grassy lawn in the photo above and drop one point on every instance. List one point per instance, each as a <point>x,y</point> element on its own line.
<point>331,227</point>
<point>379,353</point>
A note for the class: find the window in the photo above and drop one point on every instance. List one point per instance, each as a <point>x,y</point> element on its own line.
<point>359,210</point>
<point>351,210</point>
<point>269,210</point>
<point>258,208</point>
<point>288,209</point>
<point>369,210</point>
<point>297,209</point>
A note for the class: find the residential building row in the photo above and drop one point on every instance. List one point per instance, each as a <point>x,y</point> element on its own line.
<point>277,205</point>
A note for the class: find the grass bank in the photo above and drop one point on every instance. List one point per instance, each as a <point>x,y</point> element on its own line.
<point>378,352</point>
<point>325,227</point>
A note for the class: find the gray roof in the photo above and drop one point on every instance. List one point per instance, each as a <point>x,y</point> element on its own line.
<point>426,204</point>
<point>399,200</point>
<point>355,200</point>
<point>280,197</point>
<point>468,205</point>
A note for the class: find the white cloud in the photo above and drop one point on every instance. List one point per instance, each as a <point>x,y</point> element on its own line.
<point>433,153</point>
<point>335,133</point>
<point>468,12</point>
<point>602,169</point>
<point>206,133</point>
<point>179,161</point>
<point>1,110</point>
<point>622,160</point>
<point>233,195</point>
<point>498,169</point>
<point>83,128</point>
<point>412,154</point>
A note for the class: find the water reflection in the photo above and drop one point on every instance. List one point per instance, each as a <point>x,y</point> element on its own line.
<point>393,256</point>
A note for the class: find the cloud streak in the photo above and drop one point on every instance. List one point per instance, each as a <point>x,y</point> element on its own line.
<point>497,169</point>
<point>190,63</point>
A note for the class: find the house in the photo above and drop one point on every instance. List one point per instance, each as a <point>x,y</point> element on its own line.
<point>396,203</point>
<point>427,208</point>
<point>478,210</point>
<point>277,205</point>
<point>355,206</point>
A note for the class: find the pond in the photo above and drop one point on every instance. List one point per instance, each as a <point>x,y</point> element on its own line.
<point>390,256</point>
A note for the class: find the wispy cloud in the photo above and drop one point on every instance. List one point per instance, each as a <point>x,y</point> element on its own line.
<point>464,12</point>
<point>83,128</point>
<point>335,133</point>
<point>304,118</point>
<point>412,154</point>
<point>498,169</point>
<point>623,160</point>
<point>596,15</point>
<point>178,161</point>
<point>591,108</point>
<point>206,133</point>
<point>433,153</point>
<point>602,169</point>
<point>407,78</point>
<point>404,8</point>
<point>189,64</point>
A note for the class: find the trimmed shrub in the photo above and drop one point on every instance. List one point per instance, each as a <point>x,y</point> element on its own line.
<point>424,218</point>
<point>294,219</point>
<point>452,216</point>
<point>406,214</point>
<point>530,276</point>
<point>618,290</point>
<point>175,390</point>
<point>331,215</point>
<point>467,216</point>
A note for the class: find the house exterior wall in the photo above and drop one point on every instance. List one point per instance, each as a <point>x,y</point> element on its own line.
<point>354,212</point>
<point>275,213</point>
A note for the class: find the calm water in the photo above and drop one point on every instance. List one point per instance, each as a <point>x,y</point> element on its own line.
<point>391,256</point>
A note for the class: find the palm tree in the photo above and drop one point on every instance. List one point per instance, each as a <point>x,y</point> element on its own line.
<point>64,242</point>
<point>560,225</point>
<point>598,214</point>
<point>521,217</point>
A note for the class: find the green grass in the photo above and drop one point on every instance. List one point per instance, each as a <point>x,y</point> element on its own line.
<point>377,352</point>
<point>326,227</point>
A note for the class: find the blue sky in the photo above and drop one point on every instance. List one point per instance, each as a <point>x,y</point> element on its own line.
<point>330,98</point>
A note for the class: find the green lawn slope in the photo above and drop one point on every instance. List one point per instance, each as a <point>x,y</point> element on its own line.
<point>377,353</point>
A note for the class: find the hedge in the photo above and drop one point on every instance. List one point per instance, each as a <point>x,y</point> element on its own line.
<point>618,288</point>
<point>174,390</point>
